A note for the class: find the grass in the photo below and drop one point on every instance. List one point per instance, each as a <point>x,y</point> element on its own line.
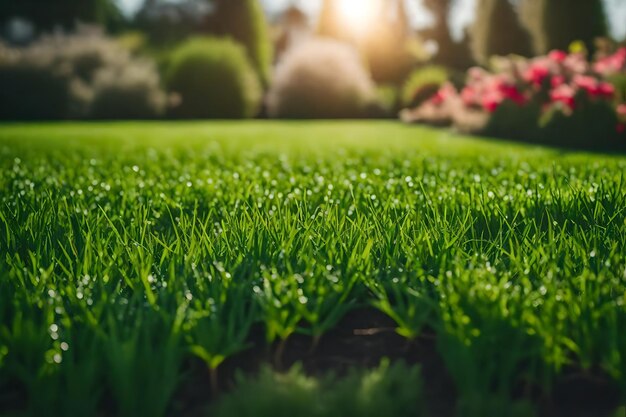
<point>127,249</point>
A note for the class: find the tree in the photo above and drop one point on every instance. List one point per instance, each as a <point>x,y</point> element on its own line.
<point>244,21</point>
<point>498,31</point>
<point>63,13</point>
<point>555,24</point>
<point>450,53</point>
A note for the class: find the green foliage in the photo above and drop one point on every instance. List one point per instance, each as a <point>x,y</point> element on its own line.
<point>393,390</point>
<point>497,31</point>
<point>619,82</point>
<point>244,21</point>
<point>512,121</point>
<point>593,123</point>
<point>19,81</point>
<point>555,24</point>
<point>422,84</point>
<point>388,97</point>
<point>214,79</point>
<point>65,13</point>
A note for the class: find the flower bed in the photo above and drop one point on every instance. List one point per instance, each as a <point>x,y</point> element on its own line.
<point>558,99</point>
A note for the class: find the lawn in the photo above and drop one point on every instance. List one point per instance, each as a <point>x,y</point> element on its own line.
<point>162,269</point>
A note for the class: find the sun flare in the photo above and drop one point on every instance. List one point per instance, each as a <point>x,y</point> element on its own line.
<point>358,15</point>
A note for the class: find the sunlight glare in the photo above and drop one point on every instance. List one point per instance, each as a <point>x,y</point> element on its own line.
<point>358,15</point>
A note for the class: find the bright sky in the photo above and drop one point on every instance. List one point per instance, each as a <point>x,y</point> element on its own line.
<point>462,16</point>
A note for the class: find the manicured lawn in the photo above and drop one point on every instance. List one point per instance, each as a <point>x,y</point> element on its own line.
<point>142,265</point>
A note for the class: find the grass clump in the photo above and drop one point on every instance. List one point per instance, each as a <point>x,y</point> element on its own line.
<point>388,390</point>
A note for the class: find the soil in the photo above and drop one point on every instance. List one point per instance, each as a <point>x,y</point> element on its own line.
<point>361,340</point>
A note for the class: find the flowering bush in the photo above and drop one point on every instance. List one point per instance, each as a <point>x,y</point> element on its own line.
<point>559,98</point>
<point>83,75</point>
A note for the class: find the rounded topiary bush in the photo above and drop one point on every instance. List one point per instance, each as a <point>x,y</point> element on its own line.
<point>321,79</point>
<point>213,79</point>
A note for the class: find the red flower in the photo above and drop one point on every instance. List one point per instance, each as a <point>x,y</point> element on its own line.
<point>500,91</point>
<point>621,110</point>
<point>606,90</point>
<point>557,80</point>
<point>621,128</point>
<point>492,100</point>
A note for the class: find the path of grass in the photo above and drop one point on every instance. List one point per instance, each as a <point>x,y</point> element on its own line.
<point>128,249</point>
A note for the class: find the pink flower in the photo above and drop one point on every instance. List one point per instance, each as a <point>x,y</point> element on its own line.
<point>565,95</point>
<point>498,91</point>
<point>537,73</point>
<point>621,110</point>
<point>492,100</point>
<point>593,87</point>
<point>612,63</point>
<point>586,83</point>
<point>576,64</point>
<point>557,56</point>
<point>469,96</point>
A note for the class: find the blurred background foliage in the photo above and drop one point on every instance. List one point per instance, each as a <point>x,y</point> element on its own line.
<point>405,49</point>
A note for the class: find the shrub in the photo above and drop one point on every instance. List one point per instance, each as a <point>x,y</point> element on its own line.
<point>129,92</point>
<point>244,21</point>
<point>559,99</point>
<point>214,80</point>
<point>31,87</point>
<point>594,123</point>
<point>420,84</point>
<point>58,76</point>
<point>321,79</point>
